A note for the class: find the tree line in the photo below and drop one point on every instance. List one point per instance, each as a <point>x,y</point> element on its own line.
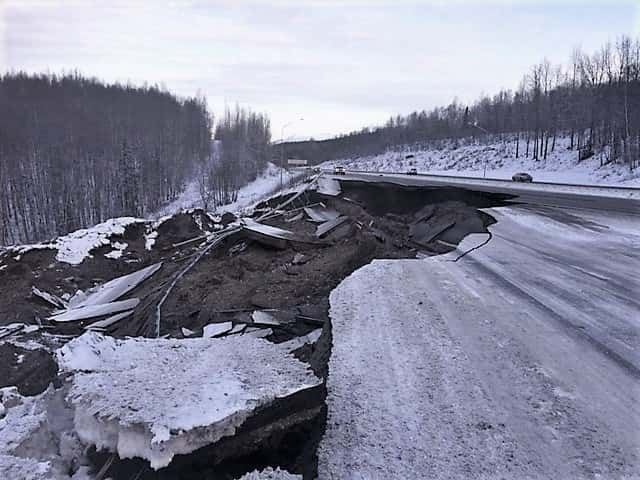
<point>242,149</point>
<point>594,101</point>
<point>75,151</point>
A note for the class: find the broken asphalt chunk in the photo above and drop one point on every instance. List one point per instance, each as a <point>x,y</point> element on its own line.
<point>108,322</point>
<point>51,299</point>
<point>92,311</point>
<point>215,329</point>
<point>126,400</point>
<point>116,288</point>
<point>326,227</point>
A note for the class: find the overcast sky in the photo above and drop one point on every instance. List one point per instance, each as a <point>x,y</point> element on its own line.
<point>340,65</point>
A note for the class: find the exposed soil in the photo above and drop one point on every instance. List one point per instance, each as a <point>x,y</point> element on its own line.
<point>31,371</point>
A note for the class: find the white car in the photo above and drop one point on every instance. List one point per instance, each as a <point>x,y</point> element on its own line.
<point>339,171</point>
<point>412,171</point>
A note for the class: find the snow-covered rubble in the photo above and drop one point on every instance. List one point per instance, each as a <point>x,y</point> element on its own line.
<point>76,246</point>
<point>271,474</point>
<point>156,398</point>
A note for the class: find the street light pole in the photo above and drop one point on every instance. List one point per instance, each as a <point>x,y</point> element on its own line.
<point>475,124</point>
<point>282,148</point>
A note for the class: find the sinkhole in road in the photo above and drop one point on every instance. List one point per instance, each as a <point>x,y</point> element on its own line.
<point>385,221</point>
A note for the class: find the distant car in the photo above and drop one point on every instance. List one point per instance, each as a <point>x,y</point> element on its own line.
<point>522,177</point>
<point>339,171</point>
<point>412,171</point>
<point>316,170</point>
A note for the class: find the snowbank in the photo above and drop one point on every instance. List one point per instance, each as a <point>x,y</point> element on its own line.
<point>469,159</point>
<point>155,398</point>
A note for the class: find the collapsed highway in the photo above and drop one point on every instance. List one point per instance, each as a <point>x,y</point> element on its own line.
<point>450,333</point>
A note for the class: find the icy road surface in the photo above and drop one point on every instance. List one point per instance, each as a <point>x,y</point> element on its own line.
<point>520,360</point>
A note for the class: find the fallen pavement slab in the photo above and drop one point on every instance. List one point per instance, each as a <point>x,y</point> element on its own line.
<point>321,215</point>
<point>108,322</point>
<point>215,329</point>
<point>272,236</point>
<point>326,227</point>
<point>129,401</point>
<point>51,299</point>
<point>114,289</point>
<point>92,311</point>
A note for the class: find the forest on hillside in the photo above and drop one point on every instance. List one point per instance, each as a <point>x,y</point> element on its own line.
<point>75,151</point>
<point>242,149</point>
<point>594,100</point>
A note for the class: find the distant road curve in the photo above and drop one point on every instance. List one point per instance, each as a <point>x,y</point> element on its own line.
<point>612,199</point>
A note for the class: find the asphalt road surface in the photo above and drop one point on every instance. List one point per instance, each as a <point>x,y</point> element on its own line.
<point>612,199</point>
<point>518,360</point>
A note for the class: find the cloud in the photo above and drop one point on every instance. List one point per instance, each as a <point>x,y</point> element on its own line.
<point>341,64</point>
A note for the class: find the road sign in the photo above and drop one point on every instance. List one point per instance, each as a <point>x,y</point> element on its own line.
<point>295,161</point>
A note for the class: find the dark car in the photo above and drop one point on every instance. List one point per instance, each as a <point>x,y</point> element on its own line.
<point>339,171</point>
<point>522,177</point>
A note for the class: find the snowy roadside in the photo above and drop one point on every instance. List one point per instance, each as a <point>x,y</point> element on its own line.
<point>498,159</point>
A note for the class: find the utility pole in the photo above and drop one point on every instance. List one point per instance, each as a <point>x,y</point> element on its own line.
<point>282,149</point>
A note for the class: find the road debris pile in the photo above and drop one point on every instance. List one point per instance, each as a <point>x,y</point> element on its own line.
<point>198,345</point>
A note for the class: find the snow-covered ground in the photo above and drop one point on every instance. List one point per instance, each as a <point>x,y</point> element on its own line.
<point>470,159</point>
<point>267,183</point>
